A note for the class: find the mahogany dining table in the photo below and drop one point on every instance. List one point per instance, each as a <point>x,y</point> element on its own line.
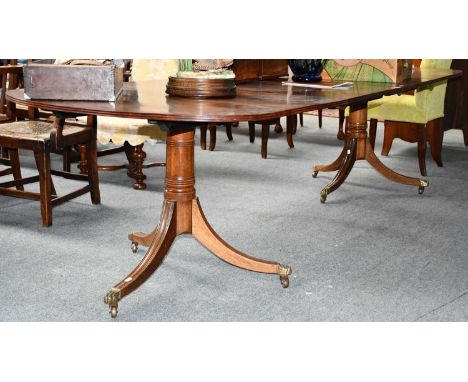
<point>260,101</point>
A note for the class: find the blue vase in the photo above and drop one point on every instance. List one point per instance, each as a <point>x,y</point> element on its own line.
<point>306,70</point>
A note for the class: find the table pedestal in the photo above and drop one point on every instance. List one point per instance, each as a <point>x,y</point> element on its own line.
<point>182,214</point>
<point>358,147</point>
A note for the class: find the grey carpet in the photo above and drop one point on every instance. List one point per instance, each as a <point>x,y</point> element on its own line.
<point>376,251</point>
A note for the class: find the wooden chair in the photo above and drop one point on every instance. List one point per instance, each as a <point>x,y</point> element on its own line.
<point>42,137</point>
<point>265,133</point>
<point>413,118</point>
<point>10,76</point>
<point>212,129</point>
<point>291,126</point>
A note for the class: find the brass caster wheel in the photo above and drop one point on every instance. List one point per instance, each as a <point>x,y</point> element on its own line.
<point>112,299</point>
<point>284,281</point>
<point>314,174</point>
<point>323,198</point>
<point>113,311</point>
<point>134,247</point>
<point>421,190</point>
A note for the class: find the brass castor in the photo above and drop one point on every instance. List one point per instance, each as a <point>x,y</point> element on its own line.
<point>112,299</point>
<point>134,247</point>
<point>284,281</point>
<point>314,174</point>
<point>421,190</point>
<point>323,198</point>
<point>113,311</point>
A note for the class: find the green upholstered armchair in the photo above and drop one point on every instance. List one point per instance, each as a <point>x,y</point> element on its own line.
<point>413,118</point>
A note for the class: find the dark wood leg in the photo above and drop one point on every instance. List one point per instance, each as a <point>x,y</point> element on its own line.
<point>42,158</point>
<point>212,129</point>
<point>137,157</point>
<point>422,144</point>
<point>334,166</point>
<point>372,132</point>
<point>392,175</point>
<point>341,120</point>
<point>15,168</point>
<point>301,119</point>
<point>82,164</point>
<point>465,134</point>
<point>345,168</point>
<point>389,136</point>
<point>92,165</point>
<point>320,118</point>
<point>203,137</point>
<point>66,159</point>
<point>291,122</point>
<point>252,132</point>
<point>278,127</point>
<point>129,150</point>
<point>265,135</point>
<point>182,214</point>
<point>229,131</point>
<point>435,136</point>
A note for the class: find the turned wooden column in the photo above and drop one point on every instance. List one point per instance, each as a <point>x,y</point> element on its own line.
<point>357,128</point>
<point>180,175</point>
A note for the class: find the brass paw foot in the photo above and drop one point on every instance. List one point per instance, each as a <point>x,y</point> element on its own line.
<point>422,186</point>
<point>134,247</point>
<point>284,271</point>
<point>323,195</point>
<point>112,299</point>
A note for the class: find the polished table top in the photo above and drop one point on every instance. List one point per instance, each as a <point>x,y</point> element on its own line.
<point>257,100</point>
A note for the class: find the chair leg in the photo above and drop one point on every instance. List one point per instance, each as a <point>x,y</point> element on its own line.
<point>252,132</point>
<point>320,118</point>
<point>265,135</point>
<point>387,140</point>
<point>229,131</point>
<point>212,129</point>
<point>15,167</point>
<point>42,158</point>
<point>301,119</point>
<point>422,144</point>
<point>291,123</point>
<point>435,136</point>
<point>465,134</point>
<point>372,132</point>
<point>203,137</point>
<point>66,159</point>
<point>92,166</point>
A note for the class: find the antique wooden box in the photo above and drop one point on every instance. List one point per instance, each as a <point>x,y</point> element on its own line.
<point>385,70</point>
<point>73,82</point>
